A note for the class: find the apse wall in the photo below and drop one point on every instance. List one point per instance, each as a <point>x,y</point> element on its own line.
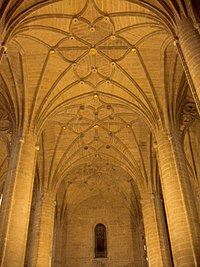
<point>121,234</point>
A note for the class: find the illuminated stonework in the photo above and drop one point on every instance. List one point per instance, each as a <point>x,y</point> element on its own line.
<point>99,133</point>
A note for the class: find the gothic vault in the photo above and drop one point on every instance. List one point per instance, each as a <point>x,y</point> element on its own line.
<point>99,133</point>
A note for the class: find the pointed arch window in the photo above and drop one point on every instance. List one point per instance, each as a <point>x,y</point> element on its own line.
<point>100,241</point>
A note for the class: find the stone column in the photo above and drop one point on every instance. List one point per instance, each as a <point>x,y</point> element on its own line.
<point>17,195</point>
<point>59,244</point>
<point>158,251</point>
<point>181,212</point>
<point>43,227</point>
<point>189,44</point>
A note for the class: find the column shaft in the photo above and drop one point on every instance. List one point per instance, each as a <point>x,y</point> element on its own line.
<point>155,232</point>
<point>59,244</point>
<point>17,195</point>
<point>189,40</point>
<point>180,209</point>
<point>43,227</point>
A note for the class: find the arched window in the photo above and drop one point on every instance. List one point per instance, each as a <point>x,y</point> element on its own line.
<point>100,241</point>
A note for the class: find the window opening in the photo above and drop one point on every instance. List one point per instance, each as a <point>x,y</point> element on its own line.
<point>100,241</point>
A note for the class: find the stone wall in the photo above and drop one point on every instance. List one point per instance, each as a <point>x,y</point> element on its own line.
<point>121,234</point>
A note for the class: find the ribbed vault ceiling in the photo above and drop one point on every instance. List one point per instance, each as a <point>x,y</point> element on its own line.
<point>92,78</point>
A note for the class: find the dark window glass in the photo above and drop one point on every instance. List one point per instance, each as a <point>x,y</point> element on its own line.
<point>100,241</point>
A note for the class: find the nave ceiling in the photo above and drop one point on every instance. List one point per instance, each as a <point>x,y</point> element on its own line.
<point>94,80</point>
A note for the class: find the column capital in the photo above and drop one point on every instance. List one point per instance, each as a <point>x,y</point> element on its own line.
<point>4,48</point>
<point>21,140</point>
<point>150,195</point>
<point>37,147</point>
<point>155,144</point>
<point>47,195</point>
<point>196,25</point>
<point>146,197</point>
<point>28,138</point>
<point>176,41</point>
<point>169,134</point>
